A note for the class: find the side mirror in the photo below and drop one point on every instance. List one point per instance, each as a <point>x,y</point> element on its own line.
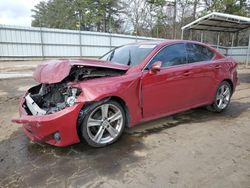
<point>155,67</point>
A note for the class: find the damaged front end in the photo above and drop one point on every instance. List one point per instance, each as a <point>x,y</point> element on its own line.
<point>49,111</point>
<point>49,98</point>
<point>46,99</point>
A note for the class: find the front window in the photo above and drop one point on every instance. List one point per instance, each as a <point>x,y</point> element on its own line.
<point>171,55</point>
<point>130,55</point>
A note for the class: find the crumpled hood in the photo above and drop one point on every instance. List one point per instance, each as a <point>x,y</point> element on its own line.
<point>54,71</point>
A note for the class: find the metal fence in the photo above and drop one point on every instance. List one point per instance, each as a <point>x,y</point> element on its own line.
<point>29,42</point>
<point>239,53</point>
<point>19,43</point>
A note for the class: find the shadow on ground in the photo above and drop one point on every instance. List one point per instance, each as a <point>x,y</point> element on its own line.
<point>244,78</point>
<point>192,116</point>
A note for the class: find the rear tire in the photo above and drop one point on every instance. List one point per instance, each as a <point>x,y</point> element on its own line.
<point>222,98</point>
<point>103,123</point>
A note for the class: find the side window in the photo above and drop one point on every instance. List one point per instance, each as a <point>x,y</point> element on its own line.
<point>197,53</point>
<point>171,55</point>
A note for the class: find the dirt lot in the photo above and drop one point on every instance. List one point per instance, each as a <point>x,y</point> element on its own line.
<point>192,149</point>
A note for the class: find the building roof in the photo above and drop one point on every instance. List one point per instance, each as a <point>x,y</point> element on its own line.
<point>219,22</point>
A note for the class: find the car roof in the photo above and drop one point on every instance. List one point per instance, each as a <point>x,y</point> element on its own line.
<point>164,42</point>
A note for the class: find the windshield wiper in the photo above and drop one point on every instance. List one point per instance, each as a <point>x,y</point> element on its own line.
<point>129,58</point>
<point>111,55</point>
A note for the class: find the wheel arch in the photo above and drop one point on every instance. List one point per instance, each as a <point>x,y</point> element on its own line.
<point>88,106</point>
<point>230,83</point>
<point>125,106</point>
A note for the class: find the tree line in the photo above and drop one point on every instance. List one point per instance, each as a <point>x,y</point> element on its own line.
<point>154,18</point>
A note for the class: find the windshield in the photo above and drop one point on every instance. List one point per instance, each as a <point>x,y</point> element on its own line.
<point>129,55</point>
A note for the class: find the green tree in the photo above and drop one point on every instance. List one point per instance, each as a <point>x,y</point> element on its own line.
<point>40,13</point>
<point>99,15</point>
<point>237,7</point>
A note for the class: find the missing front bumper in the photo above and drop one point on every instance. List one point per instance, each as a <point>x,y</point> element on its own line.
<point>33,107</point>
<point>41,128</point>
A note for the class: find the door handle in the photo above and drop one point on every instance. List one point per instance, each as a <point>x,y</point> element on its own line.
<point>217,66</point>
<point>187,73</point>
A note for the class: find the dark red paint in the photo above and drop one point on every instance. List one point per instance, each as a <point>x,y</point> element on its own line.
<point>147,95</point>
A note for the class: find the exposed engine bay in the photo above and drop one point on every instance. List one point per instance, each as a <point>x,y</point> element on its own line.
<point>79,73</point>
<point>46,99</point>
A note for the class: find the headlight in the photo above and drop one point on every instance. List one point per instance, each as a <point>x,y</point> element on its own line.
<point>72,99</point>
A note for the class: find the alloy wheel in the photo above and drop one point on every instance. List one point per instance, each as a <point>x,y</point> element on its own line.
<point>104,123</point>
<point>223,96</point>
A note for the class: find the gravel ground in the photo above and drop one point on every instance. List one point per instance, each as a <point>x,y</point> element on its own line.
<point>196,148</point>
<point>17,69</point>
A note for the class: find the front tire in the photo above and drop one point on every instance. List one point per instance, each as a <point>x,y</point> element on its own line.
<point>222,97</point>
<point>103,123</point>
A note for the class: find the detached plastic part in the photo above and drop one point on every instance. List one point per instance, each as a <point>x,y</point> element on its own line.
<point>33,107</point>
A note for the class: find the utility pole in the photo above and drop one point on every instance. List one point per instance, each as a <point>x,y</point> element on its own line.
<point>41,36</point>
<point>78,13</point>
<point>110,33</point>
<point>195,9</point>
<point>157,31</point>
<point>173,4</point>
<point>174,20</point>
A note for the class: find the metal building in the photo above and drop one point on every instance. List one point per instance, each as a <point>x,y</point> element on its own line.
<point>220,22</point>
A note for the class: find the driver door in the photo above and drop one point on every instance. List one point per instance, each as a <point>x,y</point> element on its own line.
<point>168,90</point>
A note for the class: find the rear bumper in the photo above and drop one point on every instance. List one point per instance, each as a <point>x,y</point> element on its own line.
<point>42,128</point>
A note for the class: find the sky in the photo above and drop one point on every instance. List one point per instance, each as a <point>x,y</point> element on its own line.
<point>16,12</point>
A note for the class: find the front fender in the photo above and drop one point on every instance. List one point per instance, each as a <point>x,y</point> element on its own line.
<point>123,87</point>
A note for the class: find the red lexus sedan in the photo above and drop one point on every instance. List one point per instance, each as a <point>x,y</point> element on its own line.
<point>95,100</point>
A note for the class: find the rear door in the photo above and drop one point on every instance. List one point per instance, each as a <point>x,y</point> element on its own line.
<point>203,78</point>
